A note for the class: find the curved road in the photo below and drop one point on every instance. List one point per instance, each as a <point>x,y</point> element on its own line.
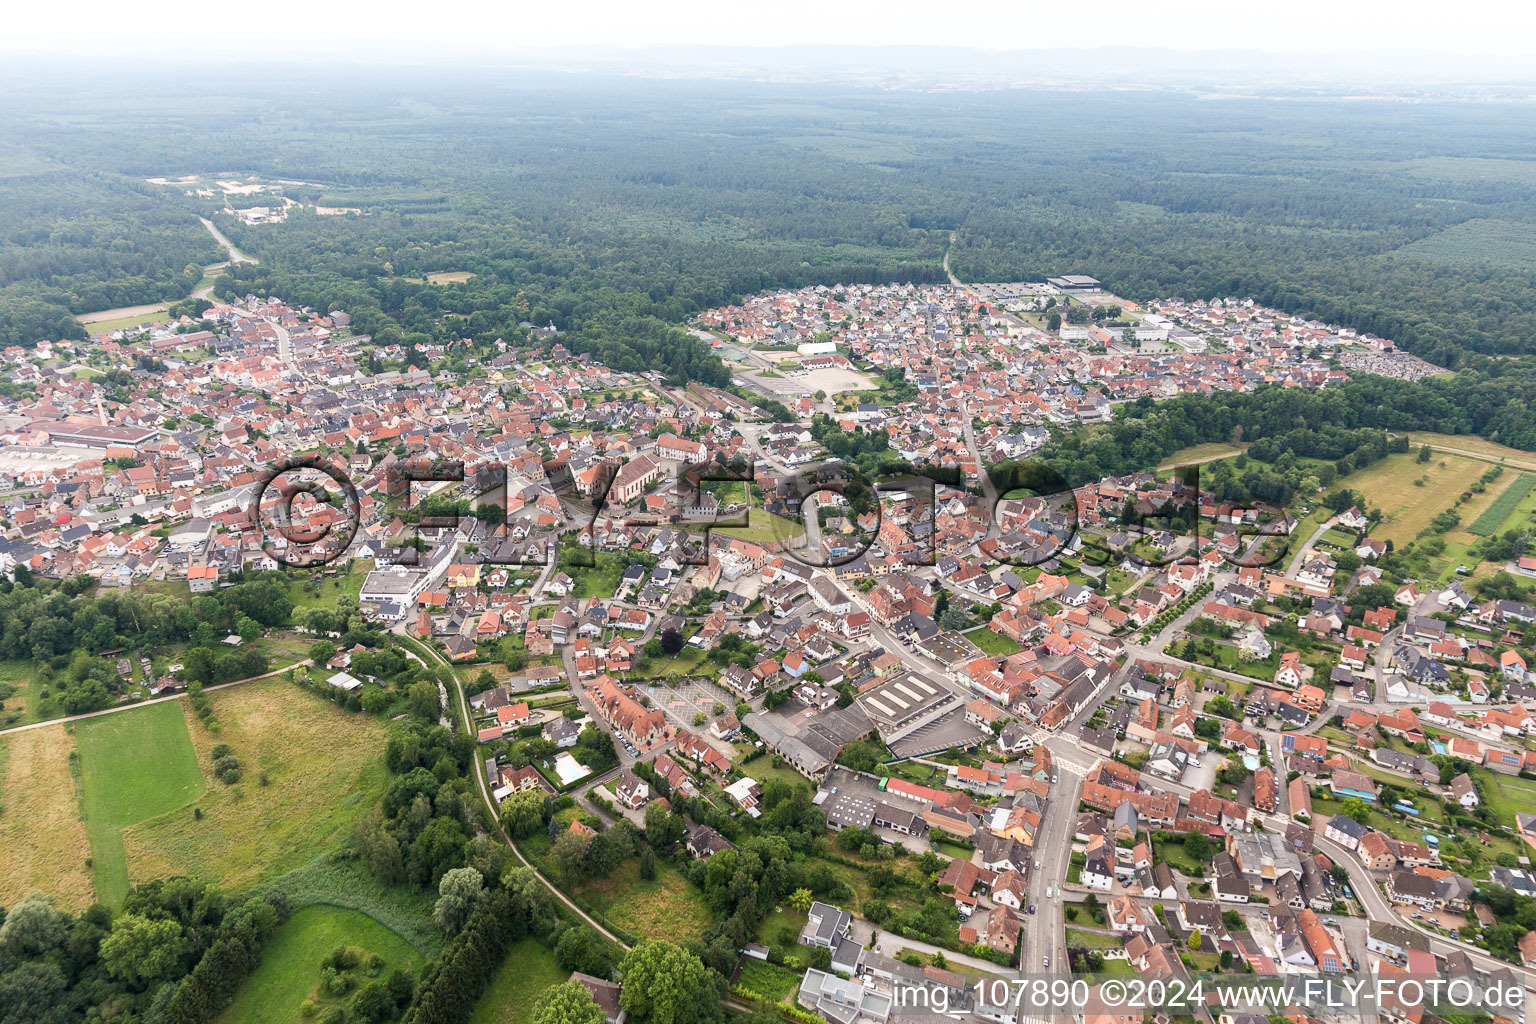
<point>235,255</point>
<point>490,802</point>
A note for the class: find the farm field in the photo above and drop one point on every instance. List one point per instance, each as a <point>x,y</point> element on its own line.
<point>43,841</point>
<point>290,964</point>
<point>664,908</point>
<point>1490,514</point>
<point>324,770</point>
<point>523,976</point>
<point>1519,515</point>
<point>1406,508</point>
<point>134,765</point>
<point>126,316</point>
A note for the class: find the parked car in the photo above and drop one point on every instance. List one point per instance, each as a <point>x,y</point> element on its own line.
<point>1031,908</point>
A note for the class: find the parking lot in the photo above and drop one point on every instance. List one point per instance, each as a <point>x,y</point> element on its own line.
<point>681,700</point>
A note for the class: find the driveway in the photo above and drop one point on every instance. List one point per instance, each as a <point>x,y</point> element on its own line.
<point>861,931</point>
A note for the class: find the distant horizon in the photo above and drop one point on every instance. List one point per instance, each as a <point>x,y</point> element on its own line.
<point>1412,72</point>
<point>607,29</point>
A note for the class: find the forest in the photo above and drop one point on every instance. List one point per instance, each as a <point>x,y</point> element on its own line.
<point>1331,424</point>
<point>614,210</point>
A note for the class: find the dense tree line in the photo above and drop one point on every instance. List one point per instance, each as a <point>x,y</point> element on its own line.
<point>1331,423</point>
<point>176,952</point>
<point>451,984</point>
<point>429,815</point>
<point>60,627</point>
<point>45,618</point>
<point>76,242</point>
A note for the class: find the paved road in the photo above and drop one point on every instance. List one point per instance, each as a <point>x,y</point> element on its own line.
<point>952,278</point>
<point>988,488</point>
<point>490,803</point>
<point>235,255</point>
<point>1045,930</point>
<point>889,944</point>
<point>1301,553</point>
<point>142,703</point>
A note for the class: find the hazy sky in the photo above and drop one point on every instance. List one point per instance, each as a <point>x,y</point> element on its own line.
<point>159,29</point>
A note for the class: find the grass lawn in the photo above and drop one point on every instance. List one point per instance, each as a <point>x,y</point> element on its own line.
<point>1327,807</point>
<point>1506,794</point>
<point>1092,940</point>
<point>763,528</point>
<point>991,643</point>
<point>523,976</point>
<point>134,765</point>
<point>1407,508</point>
<point>25,706</point>
<point>1475,446</point>
<point>1175,857</point>
<point>283,649</point>
<point>43,841</point>
<point>325,770</point>
<point>290,964</point>
<point>345,884</point>
<point>601,580</point>
<point>771,980</point>
<point>762,770</point>
<point>1117,966</point>
<point>666,907</point>
<point>330,587</point>
<point>781,929</point>
<point>952,850</point>
<point>1338,538</point>
<point>684,664</point>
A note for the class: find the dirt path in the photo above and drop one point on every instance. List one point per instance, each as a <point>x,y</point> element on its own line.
<point>235,256</point>
<point>120,312</point>
<point>141,703</point>
<point>1491,459</point>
